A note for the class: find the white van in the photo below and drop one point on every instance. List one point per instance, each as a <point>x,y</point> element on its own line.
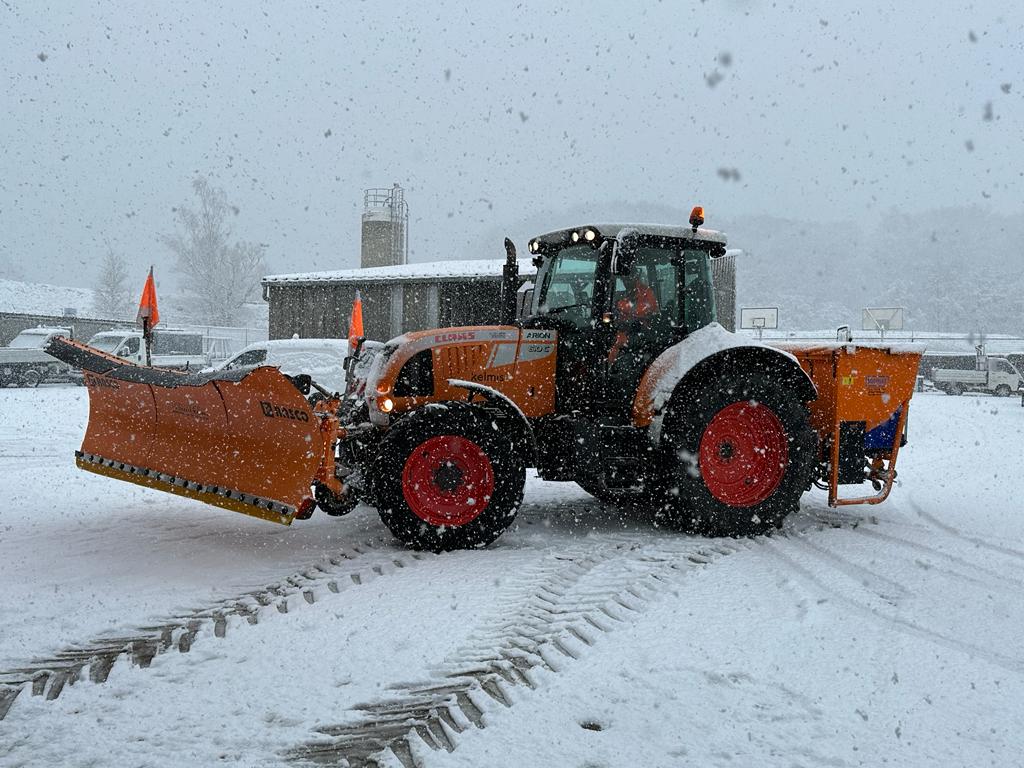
<point>322,359</point>
<point>182,350</point>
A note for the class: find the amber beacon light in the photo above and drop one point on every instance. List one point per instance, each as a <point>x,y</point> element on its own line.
<point>696,216</point>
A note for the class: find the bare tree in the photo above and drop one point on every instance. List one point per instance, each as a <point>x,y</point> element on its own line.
<point>113,297</point>
<point>218,276</point>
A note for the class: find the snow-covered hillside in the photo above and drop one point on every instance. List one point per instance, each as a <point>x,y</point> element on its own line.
<point>43,299</point>
<point>879,635</point>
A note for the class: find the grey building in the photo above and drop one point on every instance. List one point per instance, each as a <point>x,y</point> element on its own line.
<point>396,299</point>
<point>411,297</point>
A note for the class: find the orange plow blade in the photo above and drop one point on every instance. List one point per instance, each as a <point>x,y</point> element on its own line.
<point>243,440</point>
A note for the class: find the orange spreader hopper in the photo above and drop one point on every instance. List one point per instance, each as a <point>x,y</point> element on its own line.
<point>244,440</point>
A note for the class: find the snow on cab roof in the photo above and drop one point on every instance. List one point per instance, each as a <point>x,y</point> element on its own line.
<point>609,229</point>
<point>429,270</point>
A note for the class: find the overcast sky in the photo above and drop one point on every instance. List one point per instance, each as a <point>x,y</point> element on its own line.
<point>490,116</point>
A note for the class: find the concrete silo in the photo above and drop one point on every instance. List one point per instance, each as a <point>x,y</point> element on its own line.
<point>385,230</point>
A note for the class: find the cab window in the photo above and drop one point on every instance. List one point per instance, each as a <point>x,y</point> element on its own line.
<point>130,346</point>
<point>654,270</point>
<point>568,287</point>
<point>246,359</point>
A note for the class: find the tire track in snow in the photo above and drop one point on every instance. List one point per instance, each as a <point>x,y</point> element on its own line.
<point>886,589</point>
<point>351,566</point>
<point>995,580</point>
<point>976,540</point>
<point>565,606</point>
<point>887,619</point>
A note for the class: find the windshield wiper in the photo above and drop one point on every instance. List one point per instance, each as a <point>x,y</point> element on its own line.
<point>552,310</point>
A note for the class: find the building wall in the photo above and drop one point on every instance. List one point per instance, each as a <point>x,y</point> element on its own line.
<point>475,302</point>
<point>11,324</point>
<point>322,310</point>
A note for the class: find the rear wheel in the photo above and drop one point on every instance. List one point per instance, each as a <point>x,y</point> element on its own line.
<point>447,478</point>
<point>31,378</point>
<point>737,459</point>
<point>956,388</point>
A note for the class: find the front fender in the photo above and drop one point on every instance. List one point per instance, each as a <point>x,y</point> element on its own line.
<point>700,360</point>
<point>525,437</point>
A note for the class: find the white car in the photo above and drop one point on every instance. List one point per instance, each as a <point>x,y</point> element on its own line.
<point>322,359</point>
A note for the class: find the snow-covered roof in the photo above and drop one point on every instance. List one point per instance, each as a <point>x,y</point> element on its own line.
<point>21,298</point>
<point>430,270</point>
<point>934,342</point>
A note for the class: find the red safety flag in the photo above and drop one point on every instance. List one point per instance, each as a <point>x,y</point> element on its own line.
<point>355,321</point>
<point>147,305</point>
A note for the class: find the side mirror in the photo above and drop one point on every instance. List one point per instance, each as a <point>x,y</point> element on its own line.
<point>626,249</point>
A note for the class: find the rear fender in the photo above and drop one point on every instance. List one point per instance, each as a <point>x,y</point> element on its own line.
<point>701,361</point>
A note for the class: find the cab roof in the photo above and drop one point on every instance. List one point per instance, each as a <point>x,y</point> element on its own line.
<point>612,230</point>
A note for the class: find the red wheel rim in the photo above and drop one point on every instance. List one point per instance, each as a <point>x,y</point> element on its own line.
<point>447,480</point>
<point>743,454</point>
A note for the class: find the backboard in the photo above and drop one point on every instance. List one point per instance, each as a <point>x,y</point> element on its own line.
<point>882,319</point>
<point>759,317</point>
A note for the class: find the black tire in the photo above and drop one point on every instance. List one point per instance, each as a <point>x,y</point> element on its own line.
<point>956,388</point>
<point>31,378</point>
<point>333,505</point>
<point>685,500</point>
<point>462,442</point>
<point>1003,390</point>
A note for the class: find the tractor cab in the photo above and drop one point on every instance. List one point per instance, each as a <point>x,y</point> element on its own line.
<point>619,295</point>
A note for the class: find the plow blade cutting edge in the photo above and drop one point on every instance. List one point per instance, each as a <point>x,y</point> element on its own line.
<point>244,440</point>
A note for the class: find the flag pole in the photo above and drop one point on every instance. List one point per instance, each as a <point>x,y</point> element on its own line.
<point>146,334</point>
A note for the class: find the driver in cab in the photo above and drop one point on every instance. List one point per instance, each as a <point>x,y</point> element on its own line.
<point>637,303</point>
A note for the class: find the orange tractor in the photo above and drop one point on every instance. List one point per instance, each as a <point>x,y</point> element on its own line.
<point>618,378</point>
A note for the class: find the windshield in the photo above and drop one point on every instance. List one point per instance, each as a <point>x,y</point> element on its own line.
<point>106,343</point>
<point>28,340</point>
<point>568,282</point>
<point>246,359</point>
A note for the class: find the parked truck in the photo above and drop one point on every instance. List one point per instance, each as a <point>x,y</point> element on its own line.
<point>995,375</point>
<point>25,364</point>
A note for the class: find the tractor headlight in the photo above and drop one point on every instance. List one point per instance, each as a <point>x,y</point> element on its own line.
<point>386,405</point>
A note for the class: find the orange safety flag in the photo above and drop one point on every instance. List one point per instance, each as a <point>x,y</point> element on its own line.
<point>147,304</point>
<point>355,322</point>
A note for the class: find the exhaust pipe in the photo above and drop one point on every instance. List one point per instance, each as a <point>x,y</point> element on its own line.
<point>509,284</point>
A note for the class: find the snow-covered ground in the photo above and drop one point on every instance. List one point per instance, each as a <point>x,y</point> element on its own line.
<point>881,635</point>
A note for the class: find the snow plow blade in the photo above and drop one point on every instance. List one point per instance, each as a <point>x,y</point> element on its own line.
<point>243,440</point>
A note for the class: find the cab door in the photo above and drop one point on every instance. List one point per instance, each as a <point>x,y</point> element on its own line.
<point>647,318</point>
<point>572,299</point>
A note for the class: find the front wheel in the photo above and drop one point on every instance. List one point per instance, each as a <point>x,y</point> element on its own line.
<point>737,459</point>
<point>31,378</point>
<point>447,478</point>
<point>1003,390</point>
